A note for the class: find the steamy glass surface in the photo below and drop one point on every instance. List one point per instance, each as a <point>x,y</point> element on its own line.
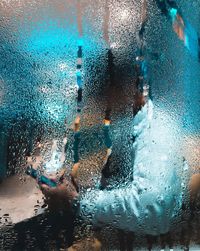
<point>40,55</point>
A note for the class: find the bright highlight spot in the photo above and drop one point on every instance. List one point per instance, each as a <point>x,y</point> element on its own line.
<point>54,164</point>
<point>124,15</point>
<point>63,66</point>
<point>173,12</point>
<point>114,45</point>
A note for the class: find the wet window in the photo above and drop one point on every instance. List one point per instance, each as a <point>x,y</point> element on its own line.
<point>99,125</point>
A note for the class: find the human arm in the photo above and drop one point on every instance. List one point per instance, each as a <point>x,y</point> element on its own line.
<point>140,206</point>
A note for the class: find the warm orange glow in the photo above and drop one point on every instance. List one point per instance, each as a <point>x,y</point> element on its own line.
<point>106,122</point>
<point>179,26</point>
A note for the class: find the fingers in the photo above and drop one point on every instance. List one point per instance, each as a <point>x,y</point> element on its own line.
<point>48,191</point>
<point>59,176</point>
<point>74,171</point>
<point>64,185</point>
<point>75,183</point>
<point>53,177</point>
<point>45,189</point>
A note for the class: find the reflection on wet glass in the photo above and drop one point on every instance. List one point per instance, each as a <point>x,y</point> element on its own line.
<point>99,128</point>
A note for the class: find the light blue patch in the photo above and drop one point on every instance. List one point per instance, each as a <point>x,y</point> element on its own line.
<point>78,74</point>
<point>48,35</point>
<point>80,42</point>
<point>173,12</point>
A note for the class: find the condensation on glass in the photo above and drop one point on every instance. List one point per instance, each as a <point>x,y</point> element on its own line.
<point>64,60</point>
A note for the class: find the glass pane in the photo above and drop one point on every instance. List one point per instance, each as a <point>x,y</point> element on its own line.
<point>99,125</point>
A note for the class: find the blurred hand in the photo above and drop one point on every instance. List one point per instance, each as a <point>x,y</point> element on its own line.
<point>60,197</point>
<point>194,186</point>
